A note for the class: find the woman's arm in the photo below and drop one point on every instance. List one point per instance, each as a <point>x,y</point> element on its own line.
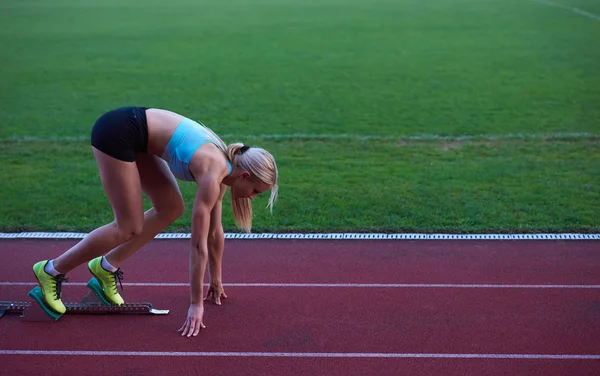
<point>206,197</point>
<point>216,244</point>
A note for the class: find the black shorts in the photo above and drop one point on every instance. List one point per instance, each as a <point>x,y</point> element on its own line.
<point>121,133</point>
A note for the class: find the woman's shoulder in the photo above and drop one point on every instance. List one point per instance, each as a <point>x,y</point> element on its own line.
<point>209,159</point>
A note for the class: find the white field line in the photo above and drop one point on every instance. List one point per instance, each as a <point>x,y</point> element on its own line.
<point>352,137</point>
<point>572,9</point>
<point>346,285</point>
<point>327,236</point>
<point>296,355</point>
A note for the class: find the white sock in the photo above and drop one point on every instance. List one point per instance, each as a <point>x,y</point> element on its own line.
<point>49,268</point>
<point>107,266</point>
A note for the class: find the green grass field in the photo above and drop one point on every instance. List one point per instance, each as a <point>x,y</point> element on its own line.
<point>392,116</point>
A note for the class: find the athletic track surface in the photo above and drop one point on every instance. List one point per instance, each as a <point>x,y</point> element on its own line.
<point>326,307</point>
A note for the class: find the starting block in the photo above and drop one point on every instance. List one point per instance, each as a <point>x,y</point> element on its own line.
<point>93,303</point>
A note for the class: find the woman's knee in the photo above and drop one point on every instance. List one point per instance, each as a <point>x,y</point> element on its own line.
<point>172,209</point>
<point>128,229</point>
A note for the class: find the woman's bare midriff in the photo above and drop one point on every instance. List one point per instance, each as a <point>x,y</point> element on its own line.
<point>161,126</point>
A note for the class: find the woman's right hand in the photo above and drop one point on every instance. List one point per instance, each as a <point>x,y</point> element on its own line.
<point>216,292</point>
<point>193,323</point>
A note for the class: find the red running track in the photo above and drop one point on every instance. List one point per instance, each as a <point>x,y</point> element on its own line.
<point>473,327</point>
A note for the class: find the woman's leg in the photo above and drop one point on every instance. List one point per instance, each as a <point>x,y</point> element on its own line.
<point>161,187</point>
<point>122,185</point>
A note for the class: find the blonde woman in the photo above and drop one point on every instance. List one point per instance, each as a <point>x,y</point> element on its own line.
<point>139,150</point>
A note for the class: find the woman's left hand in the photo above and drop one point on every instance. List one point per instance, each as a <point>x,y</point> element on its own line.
<point>216,292</point>
<point>194,321</point>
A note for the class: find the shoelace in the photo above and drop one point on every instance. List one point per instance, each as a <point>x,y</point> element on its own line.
<point>118,276</point>
<point>59,279</point>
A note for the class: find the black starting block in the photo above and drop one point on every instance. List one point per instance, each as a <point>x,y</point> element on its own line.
<point>93,303</point>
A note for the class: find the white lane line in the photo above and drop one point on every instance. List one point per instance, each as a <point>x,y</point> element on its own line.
<point>572,9</point>
<point>344,285</point>
<point>327,236</point>
<point>355,137</point>
<point>296,355</point>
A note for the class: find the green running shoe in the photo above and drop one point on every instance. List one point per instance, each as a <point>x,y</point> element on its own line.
<point>108,280</point>
<point>51,287</point>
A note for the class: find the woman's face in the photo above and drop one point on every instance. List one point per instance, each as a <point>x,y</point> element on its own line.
<point>245,186</point>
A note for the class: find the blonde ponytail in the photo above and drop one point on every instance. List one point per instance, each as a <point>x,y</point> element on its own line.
<point>242,213</point>
<point>232,151</point>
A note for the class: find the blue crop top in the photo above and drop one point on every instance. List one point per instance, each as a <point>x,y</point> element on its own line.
<point>188,137</point>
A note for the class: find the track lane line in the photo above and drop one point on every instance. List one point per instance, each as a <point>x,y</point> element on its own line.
<point>295,354</point>
<point>327,236</point>
<point>344,285</point>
